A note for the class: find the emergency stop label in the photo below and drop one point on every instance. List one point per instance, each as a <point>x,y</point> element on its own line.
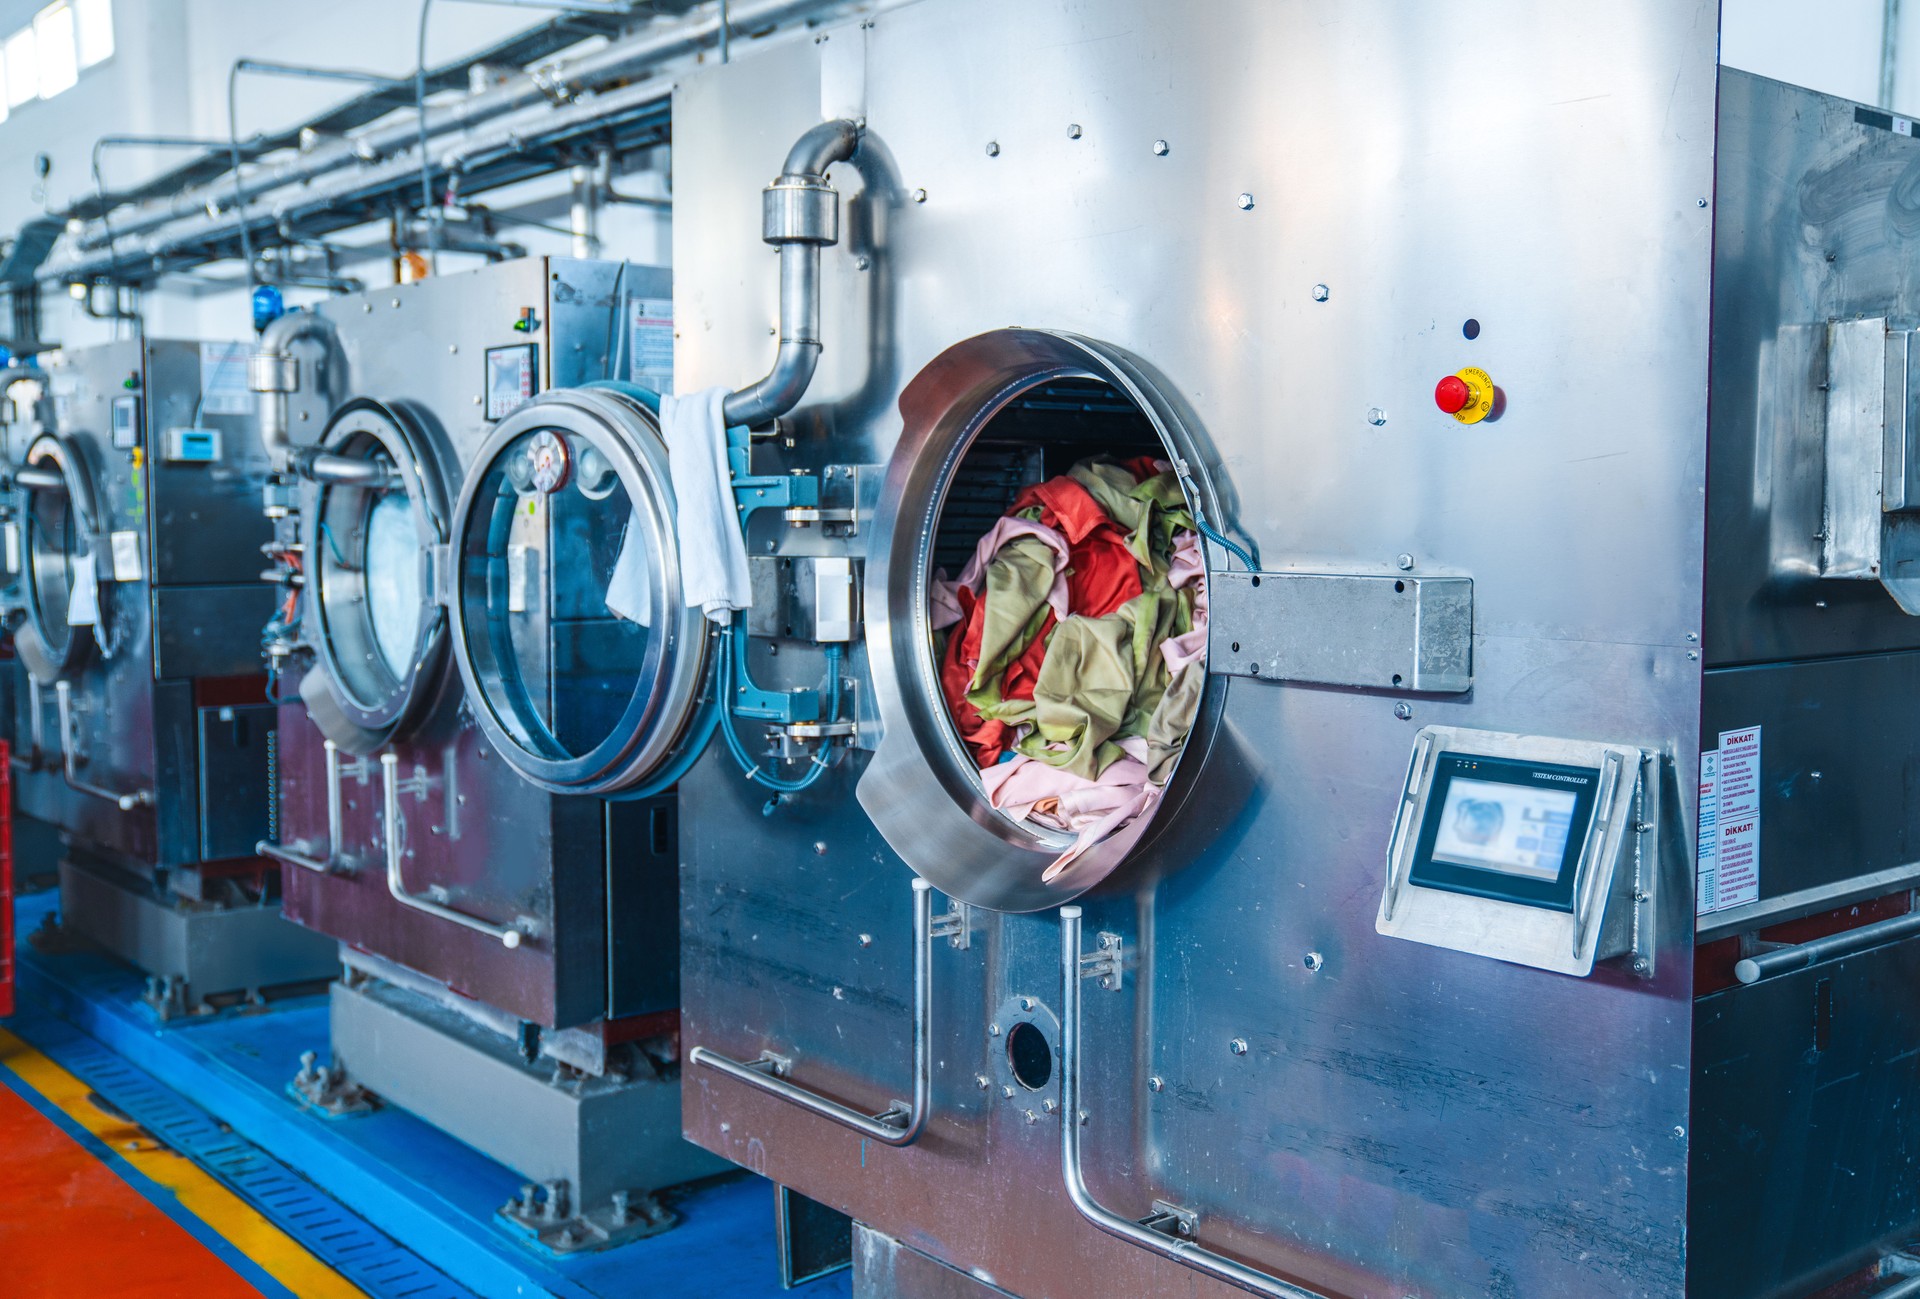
<point>1728,867</point>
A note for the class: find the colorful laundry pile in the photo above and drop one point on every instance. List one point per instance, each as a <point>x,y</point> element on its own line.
<point>1072,648</point>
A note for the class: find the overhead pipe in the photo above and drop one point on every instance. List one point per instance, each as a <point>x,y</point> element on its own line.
<point>800,215</point>
<point>617,62</point>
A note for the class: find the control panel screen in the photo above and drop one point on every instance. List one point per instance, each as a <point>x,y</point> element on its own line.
<point>1505,828</point>
<point>1513,829</point>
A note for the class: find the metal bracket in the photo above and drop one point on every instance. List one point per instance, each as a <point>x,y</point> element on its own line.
<point>510,936</point>
<point>1343,629</point>
<point>332,861</point>
<point>1105,964</point>
<point>956,926</point>
<point>1171,1220</point>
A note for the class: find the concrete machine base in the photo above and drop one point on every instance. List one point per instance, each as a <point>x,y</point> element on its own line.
<point>591,1147</point>
<point>192,951</point>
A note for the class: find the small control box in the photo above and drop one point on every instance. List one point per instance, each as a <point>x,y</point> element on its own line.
<point>192,446</point>
<point>1512,847</point>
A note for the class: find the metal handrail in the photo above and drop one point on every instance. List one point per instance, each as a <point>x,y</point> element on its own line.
<point>1798,956</point>
<point>331,862</point>
<point>510,936</point>
<point>1158,1238</point>
<point>63,698</point>
<point>899,1124</point>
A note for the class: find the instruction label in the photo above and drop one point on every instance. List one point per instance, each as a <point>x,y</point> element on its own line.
<point>223,379</point>
<point>1728,866</point>
<point>650,344</point>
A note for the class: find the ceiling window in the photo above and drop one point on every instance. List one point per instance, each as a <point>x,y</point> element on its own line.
<point>22,68</point>
<point>93,26</point>
<point>54,48</point>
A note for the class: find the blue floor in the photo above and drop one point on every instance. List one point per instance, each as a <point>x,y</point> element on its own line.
<point>422,1188</point>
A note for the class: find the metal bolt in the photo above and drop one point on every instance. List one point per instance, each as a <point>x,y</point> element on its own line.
<point>453,348</point>
<point>1049,1105</point>
<point>1313,961</point>
<point>1321,293</point>
<point>394,301</point>
<point>866,940</point>
<point>1156,1084</point>
<point>1692,655</point>
<point>1006,1092</point>
<point>366,306</point>
<point>863,263</point>
<point>1376,416</point>
<point>1692,636</point>
<point>1403,711</point>
<point>993,148</point>
<point>1238,1046</point>
<point>994,1029</point>
<point>1083,1118</point>
<point>1405,562</point>
<point>919,196</point>
<point>820,848</point>
<point>980,1081</point>
<point>1073,131</point>
<point>1246,202</point>
<point>1031,1116</point>
<point>1701,202</point>
<point>1815,774</point>
<point>622,1207</point>
<point>1640,966</point>
<point>1161,148</point>
<point>1679,1133</point>
<point>1026,1003</point>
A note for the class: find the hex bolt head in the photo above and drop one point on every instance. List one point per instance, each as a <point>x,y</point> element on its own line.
<point>1238,1046</point>
<point>866,940</point>
<point>1031,1117</point>
<point>1314,962</point>
<point>1321,293</point>
<point>993,1030</point>
<point>1007,1092</point>
<point>1049,1105</point>
<point>1405,563</point>
<point>980,1081</point>
<point>993,148</point>
<point>919,196</point>
<point>1161,148</point>
<point>1376,416</point>
<point>863,263</point>
<point>1245,202</point>
<point>1403,711</point>
<point>1073,131</point>
<point>1026,1003</point>
<point>820,847</point>
<point>1156,1084</point>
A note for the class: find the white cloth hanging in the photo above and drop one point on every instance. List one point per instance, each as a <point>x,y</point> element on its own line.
<point>713,551</point>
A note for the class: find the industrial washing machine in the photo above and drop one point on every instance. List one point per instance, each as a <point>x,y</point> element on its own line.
<point>142,727</point>
<point>1531,910</point>
<point>452,499</point>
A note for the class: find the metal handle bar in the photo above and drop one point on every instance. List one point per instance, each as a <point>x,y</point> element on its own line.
<point>35,755</point>
<point>1798,956</point>
<point>331,862</point>
<point>509,935</point>
<point>899,1124</point>
<point>1157,1234</point>
<point>63,697</point>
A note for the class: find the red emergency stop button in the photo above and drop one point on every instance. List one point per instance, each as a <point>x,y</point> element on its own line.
<point>1467,396</point>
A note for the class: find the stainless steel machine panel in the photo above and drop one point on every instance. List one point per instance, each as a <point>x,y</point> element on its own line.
<point>1289,215</point>
<point>477,838</point>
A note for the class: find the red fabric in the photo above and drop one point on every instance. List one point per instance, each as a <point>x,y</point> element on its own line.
<point>985,736</point>
<point>1142,467</point>
<point>1064,505</point>
<point>1102,573</point>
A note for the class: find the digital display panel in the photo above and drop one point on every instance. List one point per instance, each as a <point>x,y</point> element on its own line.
<point>1512,829</point>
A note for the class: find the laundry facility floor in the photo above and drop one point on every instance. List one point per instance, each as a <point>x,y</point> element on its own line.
<point>141,1157</point>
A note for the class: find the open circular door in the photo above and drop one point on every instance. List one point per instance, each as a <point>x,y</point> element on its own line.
<point>61,519</point>
<point>379,636</point>
<point>584,664</point>
<point>1028,814</point>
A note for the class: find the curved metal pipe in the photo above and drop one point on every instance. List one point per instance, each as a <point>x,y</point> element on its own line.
<point>898,1124</point>
<point>38,478</point>
<point>274,372</point>
<point>800,215</point>
<point>1162,1237</point>
<point>63,698</point>
<point>330,862</point>
<point>509,936</point>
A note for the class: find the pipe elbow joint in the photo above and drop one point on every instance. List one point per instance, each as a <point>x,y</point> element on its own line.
<point>779,392</point>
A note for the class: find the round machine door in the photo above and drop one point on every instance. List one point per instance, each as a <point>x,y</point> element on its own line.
<point>67,606</point>
<point>369,539</point>
<point>1028,812</point>
<point>584,664</point>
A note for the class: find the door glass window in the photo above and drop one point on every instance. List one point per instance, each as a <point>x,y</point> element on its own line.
<point>53,544</point>
<point>394,597</point>
<point>558,591</point>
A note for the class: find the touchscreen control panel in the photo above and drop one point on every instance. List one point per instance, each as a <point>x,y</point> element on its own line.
<point>1511,847</point>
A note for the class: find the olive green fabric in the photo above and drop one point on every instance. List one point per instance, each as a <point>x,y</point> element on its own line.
<point>1148,512</point>
<point>1018,580</point>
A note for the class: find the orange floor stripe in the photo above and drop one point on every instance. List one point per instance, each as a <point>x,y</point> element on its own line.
<point>69,1226</point>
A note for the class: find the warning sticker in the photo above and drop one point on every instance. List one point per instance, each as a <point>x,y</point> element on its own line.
<point>650,344</point>
<point>1729,852</point>
<point>223,379</point>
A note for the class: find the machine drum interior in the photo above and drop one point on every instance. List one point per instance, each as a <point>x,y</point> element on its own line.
<point>1068,612</point>
<point>67,605</point>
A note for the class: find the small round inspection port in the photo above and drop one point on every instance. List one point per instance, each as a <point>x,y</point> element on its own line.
<point>1030,1056</point>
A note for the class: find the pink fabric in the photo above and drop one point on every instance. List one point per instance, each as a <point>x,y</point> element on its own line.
<point>1187,566</point>
<point>1094,808</point>
<point>945,605</point>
